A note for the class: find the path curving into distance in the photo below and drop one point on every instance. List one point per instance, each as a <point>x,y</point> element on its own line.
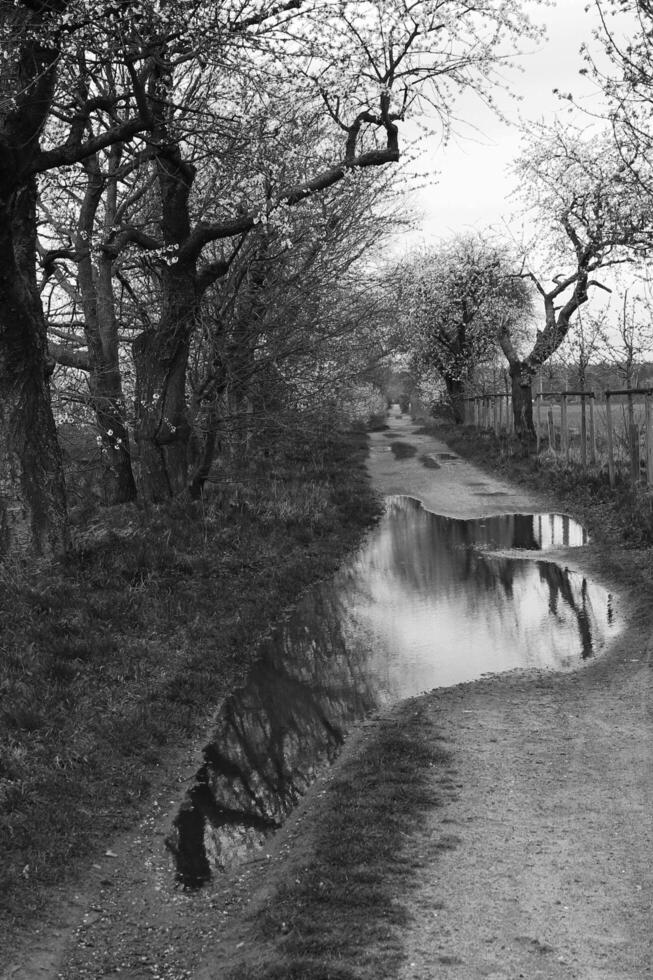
<point>547,872</point>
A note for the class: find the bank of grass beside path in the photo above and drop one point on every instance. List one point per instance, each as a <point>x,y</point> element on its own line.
<point>340,911</point>
<point>115,657</point>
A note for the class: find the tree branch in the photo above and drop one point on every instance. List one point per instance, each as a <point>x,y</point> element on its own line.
<point>68,154</point>
<point>69,358</point>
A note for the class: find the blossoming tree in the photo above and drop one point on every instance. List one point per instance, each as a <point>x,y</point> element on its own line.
<point>365,64</point>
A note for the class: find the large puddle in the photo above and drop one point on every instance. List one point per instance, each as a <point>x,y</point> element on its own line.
<point>423,604</point>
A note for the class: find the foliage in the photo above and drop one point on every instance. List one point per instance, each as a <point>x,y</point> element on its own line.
<point>625,77</point>
<point>177,139</point>
<point>454,300</point>
<point>576,183</point>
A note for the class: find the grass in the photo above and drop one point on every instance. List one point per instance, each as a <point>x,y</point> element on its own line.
<point>116,656</point>
<point>338,915</point>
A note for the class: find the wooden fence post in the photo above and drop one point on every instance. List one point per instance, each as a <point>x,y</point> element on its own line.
<point>551,425</point>
<point>649,441</point>
<point>633,441</point>
<point>564,433</point>
<point>583,432</point>
<point>608,409</point>
<point>538,415</point>
<point>592,432</point>
<point>633,438</point>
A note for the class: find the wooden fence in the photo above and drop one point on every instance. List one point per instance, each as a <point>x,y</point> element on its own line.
<point>582,426</point>
<point>491,411</point>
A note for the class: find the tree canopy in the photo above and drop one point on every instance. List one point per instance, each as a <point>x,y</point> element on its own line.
<point>153,157</point>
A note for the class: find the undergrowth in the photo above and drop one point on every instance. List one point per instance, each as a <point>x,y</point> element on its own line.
<point>117,654</point>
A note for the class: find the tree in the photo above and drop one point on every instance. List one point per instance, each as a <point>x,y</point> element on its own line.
<point>395,57</point>
<point>291,325</point>
<point>80,269</point>
<point>625,74</point>
<point>34,36</point>
<point>455,300</point>
<point>373,63</point>
<point>575,190</point>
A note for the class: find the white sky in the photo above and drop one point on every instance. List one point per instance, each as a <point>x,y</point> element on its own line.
<point>473,184</point>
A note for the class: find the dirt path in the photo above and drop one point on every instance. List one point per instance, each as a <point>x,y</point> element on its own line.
<point>547,870</point>
<point>445,483</point>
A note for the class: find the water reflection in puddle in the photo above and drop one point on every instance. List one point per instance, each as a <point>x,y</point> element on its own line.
<point>535,532</point>
<point>419,607</point>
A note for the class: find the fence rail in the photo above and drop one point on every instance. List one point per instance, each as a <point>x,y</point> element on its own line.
<point>583,425</point>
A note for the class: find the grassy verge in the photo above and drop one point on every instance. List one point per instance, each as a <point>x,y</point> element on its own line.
<point>338,914</point>
<point>116,656</point>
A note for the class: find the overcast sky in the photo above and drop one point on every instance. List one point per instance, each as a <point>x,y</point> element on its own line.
<point>473,185</point>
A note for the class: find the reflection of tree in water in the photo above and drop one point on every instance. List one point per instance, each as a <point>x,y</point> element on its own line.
<point>427,551</point>
<point>420,578</point>
<point>560,587</point>
<point>500,531</point>
<point>321,671</point>
<point>303,693</point>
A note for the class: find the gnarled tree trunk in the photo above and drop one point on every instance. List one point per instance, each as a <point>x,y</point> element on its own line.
<point>101,331</point>
<point>456,393</point>
<point>161,362</point>
<point>32,496</point>
<point>521,378</point>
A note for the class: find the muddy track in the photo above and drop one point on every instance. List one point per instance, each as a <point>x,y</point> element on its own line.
<point>549,822</point>
<point>549,873</point>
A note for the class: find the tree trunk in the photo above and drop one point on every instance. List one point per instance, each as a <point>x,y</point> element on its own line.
<point>207,443</point>
<point>33,513</point>
<point>101,331</point>
<point>106,396</point>
<point>32,496</point>
<point>161,362</point>
<point>456,393</point>
<point>521,377</point>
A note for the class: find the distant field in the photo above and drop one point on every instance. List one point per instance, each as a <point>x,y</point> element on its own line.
<point>619,424</point>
